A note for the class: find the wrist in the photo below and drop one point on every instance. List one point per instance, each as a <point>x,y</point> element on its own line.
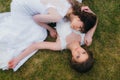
<point>88,35</point>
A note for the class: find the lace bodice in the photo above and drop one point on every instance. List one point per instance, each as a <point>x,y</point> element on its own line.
<point>63,29</point>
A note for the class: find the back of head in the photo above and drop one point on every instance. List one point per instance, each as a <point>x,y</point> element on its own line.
<point>89,20</point>
<point>83,66</point>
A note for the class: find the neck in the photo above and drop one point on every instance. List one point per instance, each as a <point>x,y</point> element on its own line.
<point>73,45</point>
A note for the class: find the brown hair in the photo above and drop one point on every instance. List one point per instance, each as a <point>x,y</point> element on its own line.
<point>88,19</point>
<point>83,66</point>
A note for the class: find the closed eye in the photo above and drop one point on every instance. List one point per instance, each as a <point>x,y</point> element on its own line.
<point>84,53</point>
<point>77,57</point>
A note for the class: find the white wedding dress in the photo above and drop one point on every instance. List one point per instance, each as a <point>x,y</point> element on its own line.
<point>18,30</point>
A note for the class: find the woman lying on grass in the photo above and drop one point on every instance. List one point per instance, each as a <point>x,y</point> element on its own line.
<point>67,38</point>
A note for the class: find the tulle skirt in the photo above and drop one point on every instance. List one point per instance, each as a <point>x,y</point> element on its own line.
<point>16,34</point>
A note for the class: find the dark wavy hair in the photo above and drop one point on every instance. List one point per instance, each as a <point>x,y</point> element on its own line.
<point>85,66</point>
<point>88,19</point>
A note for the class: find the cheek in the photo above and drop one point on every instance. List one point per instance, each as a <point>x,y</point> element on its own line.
<point>78,23</point>
<point>81,24</point>
<point>74,54</point>
<point>84,57</point>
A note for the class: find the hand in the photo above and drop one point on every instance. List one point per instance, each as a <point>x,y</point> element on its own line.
<point>53,33</point>
<point>12,63</point>
<point>88,40</point>
<point>86,9</point>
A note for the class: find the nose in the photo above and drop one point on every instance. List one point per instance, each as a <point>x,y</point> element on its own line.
<point>80,51</point>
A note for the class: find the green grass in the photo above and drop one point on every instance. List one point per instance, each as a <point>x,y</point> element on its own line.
<point>54,65</point>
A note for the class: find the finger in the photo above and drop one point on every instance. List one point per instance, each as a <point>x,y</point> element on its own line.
<point>86,42</point>
<point>10,66</point>
<point>55,35</point>
<point>89,43</point>
<point>9,62</point>
<point>86,10</point>
<point>84,7</point>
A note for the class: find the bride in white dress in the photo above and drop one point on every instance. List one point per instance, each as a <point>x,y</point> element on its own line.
<point>18,30</point>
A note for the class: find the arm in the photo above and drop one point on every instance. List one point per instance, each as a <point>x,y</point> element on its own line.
<point>52,31</point>
<point>41,45</point>
<point>51,16</point>
<point>89,35</point>
<point>92,31</point>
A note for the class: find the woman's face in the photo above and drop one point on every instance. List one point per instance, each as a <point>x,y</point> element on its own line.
<point>79,55</point>
<point>77,24</point>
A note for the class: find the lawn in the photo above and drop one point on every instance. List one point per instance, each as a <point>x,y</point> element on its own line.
<point>54,65</point>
